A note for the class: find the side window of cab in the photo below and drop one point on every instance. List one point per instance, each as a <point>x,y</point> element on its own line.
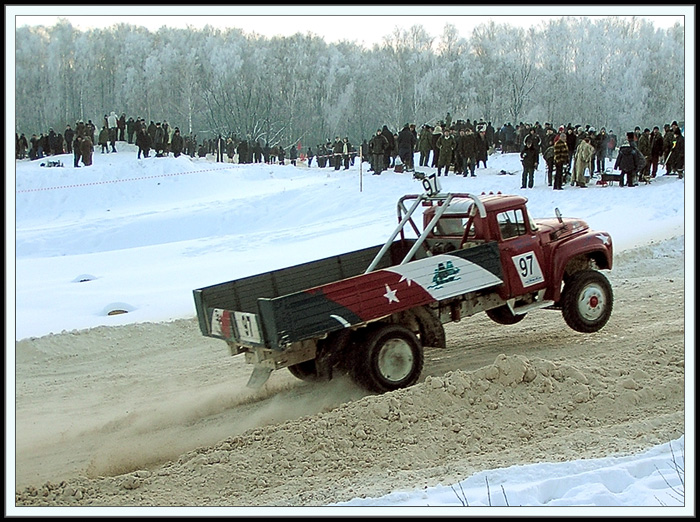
<point>511,223</point>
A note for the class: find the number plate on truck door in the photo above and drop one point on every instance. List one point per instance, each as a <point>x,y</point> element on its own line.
<point>528,269</point>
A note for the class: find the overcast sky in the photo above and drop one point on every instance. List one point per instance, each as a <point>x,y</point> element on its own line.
<point>363,24</point>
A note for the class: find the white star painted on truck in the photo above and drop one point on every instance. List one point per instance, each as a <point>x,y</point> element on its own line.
<point>604,239</point>
<point>407,279</point>
<point>391,294</point>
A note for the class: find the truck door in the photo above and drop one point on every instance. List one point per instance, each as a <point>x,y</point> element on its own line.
<point>521,254</point>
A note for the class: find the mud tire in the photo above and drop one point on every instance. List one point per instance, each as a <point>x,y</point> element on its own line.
<point>389,357</point>
<point>587,301</point>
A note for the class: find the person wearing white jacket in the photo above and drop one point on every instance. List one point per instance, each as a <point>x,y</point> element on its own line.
<point>583,159</point>
<point>112,120</point>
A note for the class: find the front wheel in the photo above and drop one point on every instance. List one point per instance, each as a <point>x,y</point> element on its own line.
<point>388,358</point>
<point>587,301</point>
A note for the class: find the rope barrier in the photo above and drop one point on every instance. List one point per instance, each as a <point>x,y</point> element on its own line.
<point>77,185</point>
<point>118,180</point>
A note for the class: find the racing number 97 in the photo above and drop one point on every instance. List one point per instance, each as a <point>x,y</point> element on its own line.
<point>528,269</point>
<point>525,264</point>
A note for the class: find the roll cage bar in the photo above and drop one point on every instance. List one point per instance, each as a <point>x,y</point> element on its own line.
<point>405,216</point>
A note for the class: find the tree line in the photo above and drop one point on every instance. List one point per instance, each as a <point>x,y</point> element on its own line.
<point>615,72</point>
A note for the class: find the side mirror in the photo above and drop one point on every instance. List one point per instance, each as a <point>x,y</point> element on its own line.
<point>558,213</point>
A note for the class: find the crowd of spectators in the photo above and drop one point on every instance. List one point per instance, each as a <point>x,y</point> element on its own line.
<point>461,146</point>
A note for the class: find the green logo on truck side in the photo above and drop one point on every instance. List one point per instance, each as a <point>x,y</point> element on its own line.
<point>444,273</point>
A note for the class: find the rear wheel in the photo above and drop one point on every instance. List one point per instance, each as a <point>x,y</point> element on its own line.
<point>587,301</point>
<point>306,371</point>
<point>389,357</point>
<point>503,315</point>
<point>432,333</point>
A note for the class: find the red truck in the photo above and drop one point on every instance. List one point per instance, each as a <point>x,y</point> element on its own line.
<point>371,312</point>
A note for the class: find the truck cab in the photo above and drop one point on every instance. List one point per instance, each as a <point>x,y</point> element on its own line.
<point>534,252</point>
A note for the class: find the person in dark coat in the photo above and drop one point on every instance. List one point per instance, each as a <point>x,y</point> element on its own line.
<point>447,145</point>
<point>675,163</point>
<point>337,153</point>
<point>469,151</point>
<point>425,145</point>
<point>86,148</point>
<point>158,140</point>
<point>45,145</point>
<point>77,151</point>
<point>177,143</point>
<point>320,156</point>
<point>243,151</point>
<point>121,127</point>
<point>143,142</point>
<point>220,148</point>
<point>601,150</point>
<point>406,146</point>
<point>130,129</point>
<point>644,147</point>
<point>548,152</point>
<point>293,155</point>
<point>257,152</point>
<point>52,149</point>
<point>482,150</point>
<point>508,132</point>
<point>657,150</point>
<point>491,136</point>
<point>22,146</point>
<point>668,141</point>
<point>280,155</point>
<point>68,135</point>
<point>530,158</point>
<point>561,158</point>
<point>103,139</point>
<point>377,148</point>
<point>628,161</point>
<point>392,143</point>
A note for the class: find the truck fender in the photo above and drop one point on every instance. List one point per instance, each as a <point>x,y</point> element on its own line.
<point>576,255</point>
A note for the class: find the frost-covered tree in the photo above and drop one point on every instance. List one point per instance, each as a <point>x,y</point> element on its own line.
<point>612,72</point>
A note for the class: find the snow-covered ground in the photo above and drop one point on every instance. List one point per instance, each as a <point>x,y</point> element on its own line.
<point>140,235</point>
<point>653,478</point>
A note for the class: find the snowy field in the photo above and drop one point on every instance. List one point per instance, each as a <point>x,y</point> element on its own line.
<point>140,235</point>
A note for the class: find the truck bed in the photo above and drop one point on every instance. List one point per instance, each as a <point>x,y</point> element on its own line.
<point>242,294</point>
<point>308,301</point>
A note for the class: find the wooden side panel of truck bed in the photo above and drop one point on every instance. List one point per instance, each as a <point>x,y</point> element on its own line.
<point>317,311</point>
<point>242,295</point>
